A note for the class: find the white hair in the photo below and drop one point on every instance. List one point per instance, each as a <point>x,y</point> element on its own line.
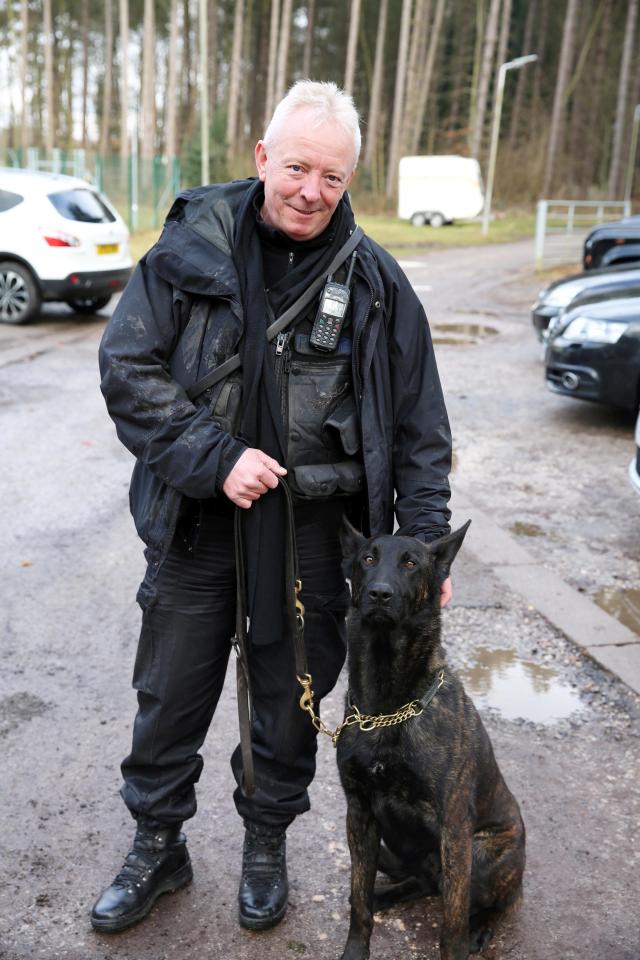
<point>326,102</point>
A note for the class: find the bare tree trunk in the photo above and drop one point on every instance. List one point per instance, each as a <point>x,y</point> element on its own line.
<point>462,55</point>
<point>85,69</point>
<point>308,40</point>
<point>415,69</point>
<point>621,102</point>
<point>124,78</point>
<point>147,139</point>
<point>283,52</point>
<point>566,58</point>
<point>108,77</point>
<point>598,117</point>
<point>246,89</point>
<point>213,54</point>
<point>518,99</point>
<point>373,117</point>
<point>24,55</point>
<point>398,101</point>
<point>48,72</point>
<point>425,85</point>
<point>489,46</point>
<point>171,139</point>
<point>66,86</point>
<point>274,26</point>
<point>352,43</point>
<point>187,97</point>
<point>477,65</point>
<point>505,24</point>
<point>537,113</point>
<point>234,81</point>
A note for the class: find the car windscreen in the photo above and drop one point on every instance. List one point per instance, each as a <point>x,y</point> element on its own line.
<point>84,205</point>
<point>9,200</point>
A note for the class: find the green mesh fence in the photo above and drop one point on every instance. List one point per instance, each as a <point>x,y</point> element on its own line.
<point>141,190</point>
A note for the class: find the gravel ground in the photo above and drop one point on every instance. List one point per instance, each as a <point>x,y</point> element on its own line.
<point>70,567</point>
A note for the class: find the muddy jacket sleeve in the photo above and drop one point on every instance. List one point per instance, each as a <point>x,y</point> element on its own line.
<point>154,418</point>
<point>421,433</point>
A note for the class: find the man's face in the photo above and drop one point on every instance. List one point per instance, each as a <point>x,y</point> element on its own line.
<point>305,172</point>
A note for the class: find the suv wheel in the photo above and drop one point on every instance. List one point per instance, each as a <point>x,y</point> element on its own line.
<point>88,305</point>
<point>19,295</point>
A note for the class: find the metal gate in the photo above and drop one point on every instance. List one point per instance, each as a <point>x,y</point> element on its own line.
<point>562,227</point>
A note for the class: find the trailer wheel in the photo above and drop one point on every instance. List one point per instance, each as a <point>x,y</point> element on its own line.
<point>437,220</point>
<point>418,219</point>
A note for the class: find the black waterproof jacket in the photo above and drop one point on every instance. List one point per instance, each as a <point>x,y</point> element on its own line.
<point>180,316</point>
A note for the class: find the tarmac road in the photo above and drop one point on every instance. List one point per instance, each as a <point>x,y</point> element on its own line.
<point>540,474</point>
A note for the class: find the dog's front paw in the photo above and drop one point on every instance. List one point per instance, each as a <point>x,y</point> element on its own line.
<point>355,951</point>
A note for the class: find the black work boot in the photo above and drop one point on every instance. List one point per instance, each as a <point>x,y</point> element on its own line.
<point>263,886</point>
<point>157,863</point>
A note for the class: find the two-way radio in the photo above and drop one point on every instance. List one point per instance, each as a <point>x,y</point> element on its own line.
<point>332,311</point>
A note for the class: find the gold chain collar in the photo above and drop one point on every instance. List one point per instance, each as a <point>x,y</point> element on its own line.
<point>365,721</point>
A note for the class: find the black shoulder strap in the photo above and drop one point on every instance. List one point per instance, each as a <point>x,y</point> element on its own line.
<point>234,362</point>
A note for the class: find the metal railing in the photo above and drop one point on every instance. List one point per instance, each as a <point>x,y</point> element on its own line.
<point>562,227</point>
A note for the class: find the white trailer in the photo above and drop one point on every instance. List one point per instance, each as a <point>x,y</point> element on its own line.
<point>439,189</point>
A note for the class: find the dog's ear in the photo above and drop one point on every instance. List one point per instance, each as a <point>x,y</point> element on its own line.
<point>445,549</point>
<point>350,540</point>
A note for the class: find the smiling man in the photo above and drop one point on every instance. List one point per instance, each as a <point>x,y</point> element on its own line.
<point>263,337</point>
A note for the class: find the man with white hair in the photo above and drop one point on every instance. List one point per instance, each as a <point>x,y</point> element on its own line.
<point>263,337</point>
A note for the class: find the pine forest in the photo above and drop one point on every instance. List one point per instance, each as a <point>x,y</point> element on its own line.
<point>132,75</point>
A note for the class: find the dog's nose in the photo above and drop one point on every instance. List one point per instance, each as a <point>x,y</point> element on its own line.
<point>380,592</point>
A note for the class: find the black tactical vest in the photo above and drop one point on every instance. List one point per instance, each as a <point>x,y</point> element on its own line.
<point>318,412</point>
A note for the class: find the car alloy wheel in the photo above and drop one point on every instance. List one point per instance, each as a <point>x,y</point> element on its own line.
<point>19,297</point>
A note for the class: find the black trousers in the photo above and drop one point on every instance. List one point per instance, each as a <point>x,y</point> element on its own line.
<point>182,660</point>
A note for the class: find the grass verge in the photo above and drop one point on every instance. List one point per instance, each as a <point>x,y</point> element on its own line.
<point>401,239</point>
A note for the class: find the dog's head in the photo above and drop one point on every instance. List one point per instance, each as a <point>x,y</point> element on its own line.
<point>393,578</point>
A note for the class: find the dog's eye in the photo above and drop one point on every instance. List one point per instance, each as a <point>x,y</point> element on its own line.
<point>410,564</point>
<point>368,560</point>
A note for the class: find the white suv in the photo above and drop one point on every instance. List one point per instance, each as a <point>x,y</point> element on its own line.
<point>60,239</point>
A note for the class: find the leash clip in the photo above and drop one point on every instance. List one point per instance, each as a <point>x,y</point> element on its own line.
<point>299,607</point>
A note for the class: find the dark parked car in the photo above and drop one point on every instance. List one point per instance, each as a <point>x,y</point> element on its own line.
<point>613,243</point>
<point>559,296</point>
<point>634,466</point>
<point>593,352</point>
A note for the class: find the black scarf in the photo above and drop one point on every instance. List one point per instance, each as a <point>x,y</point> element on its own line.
<point>264,522</point>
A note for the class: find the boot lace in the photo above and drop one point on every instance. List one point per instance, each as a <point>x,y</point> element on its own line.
<point>137,869</point>
<point>263,856</point>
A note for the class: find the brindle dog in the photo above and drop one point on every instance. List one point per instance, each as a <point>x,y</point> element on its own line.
<point>427,803</point>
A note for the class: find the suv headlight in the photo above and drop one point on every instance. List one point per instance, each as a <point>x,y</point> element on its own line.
<point>597,331</point>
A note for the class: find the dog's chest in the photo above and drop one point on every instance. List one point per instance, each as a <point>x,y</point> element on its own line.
<point>389,770</point>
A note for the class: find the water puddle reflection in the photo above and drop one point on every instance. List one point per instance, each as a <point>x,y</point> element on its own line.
<point>518,689</point>
<point>624,605</point>
<point>461,334</point>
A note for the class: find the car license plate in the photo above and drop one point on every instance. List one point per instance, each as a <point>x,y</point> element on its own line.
<point>107,247</point>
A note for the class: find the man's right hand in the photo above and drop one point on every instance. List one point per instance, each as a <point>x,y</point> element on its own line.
<point>252,475</point>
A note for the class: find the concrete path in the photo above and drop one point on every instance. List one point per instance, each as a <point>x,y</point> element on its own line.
<point>605,639</point>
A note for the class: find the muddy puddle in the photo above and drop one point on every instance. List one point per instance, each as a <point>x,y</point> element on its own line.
<point>518,689</point>
<point>461,334</point>
<point>624,605</point>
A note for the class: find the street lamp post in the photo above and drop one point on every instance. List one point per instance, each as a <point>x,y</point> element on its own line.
<point>632,154</point>
<point>495,131</point>
<point>204,94</point>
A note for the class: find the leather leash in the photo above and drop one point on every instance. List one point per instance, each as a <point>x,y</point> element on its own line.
<point>295,617</point>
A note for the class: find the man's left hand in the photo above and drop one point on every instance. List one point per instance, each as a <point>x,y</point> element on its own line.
<point>446,592</point>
